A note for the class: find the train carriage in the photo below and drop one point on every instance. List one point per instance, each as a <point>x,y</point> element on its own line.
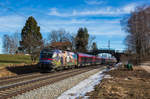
<point>84,59</point>
<point>58,59</point>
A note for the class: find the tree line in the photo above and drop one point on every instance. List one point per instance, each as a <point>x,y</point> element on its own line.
<point>31,41</point>
<point>137,25</point>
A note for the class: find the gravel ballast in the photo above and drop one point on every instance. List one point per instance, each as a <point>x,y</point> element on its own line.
<point>52,91</point>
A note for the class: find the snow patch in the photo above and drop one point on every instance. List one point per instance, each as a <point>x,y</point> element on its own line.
<point>83,87</point>
<point>107,76</point>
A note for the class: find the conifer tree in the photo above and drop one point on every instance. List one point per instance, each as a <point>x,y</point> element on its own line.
<point>81,40</point>
<point>31,36</point>
<point>94,48</point>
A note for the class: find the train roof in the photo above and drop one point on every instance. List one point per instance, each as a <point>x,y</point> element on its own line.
<point>54,50</point>
<point>57,51</point>
<point>85,55</point>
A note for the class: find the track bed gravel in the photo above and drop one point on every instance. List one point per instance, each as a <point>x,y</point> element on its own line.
<point>52,91</point>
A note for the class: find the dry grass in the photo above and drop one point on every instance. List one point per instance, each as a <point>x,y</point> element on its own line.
<point>124,85</point>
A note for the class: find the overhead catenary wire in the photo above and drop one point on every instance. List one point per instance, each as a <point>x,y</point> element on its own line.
<point>19,14</point>
<point>10,28</point>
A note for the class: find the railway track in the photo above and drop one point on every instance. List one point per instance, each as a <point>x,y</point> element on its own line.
<point>23,77</point>
<point>29,83</point>
<point>13,79</point>
<point>18,78</point>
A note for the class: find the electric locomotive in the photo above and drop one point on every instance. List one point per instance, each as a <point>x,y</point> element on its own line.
<point>57,59</point>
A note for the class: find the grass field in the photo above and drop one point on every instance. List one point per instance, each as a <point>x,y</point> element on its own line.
<point>6,59</point>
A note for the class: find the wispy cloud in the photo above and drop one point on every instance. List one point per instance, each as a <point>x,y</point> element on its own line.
<point>96,27</point>
<point>128,8</point>
<point>107,11</point>
<point>53,11</point>
<point>94,2</point>
<point>14,23</point>
<point>11,23</point>
<point>79,21</point>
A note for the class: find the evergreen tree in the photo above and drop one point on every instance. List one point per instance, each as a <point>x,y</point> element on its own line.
<point>94,48</point>
<point>31,36</point>
<point>81,40</point>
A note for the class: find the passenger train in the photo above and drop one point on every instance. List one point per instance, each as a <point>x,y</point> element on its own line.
<point>59,59</point>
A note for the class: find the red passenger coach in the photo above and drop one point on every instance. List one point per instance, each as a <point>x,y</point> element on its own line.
<point>98,60</point>
<point>86,59</point>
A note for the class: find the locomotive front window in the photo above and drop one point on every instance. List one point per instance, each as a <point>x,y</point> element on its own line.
<point>46,55</point>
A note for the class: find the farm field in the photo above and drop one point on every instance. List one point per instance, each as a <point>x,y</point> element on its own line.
<point>123,84</point>
<point>11,65</point>
<point>7,60</point>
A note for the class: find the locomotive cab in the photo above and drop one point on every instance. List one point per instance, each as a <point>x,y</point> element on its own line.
<point>45,60</point>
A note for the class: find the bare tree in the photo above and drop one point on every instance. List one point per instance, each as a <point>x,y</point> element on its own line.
<point>72,40</point>
<point>137,25</point>
<point>6,43</point>
<point>61,36</point>
<point>91,41</point>
<point>11,43</point>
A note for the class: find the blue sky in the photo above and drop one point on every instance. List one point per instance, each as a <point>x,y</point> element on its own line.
<point>100,17</point>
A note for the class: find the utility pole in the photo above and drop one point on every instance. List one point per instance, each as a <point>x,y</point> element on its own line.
<point>109,44</point>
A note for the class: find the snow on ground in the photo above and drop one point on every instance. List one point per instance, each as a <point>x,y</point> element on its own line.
<point>83,87</point>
